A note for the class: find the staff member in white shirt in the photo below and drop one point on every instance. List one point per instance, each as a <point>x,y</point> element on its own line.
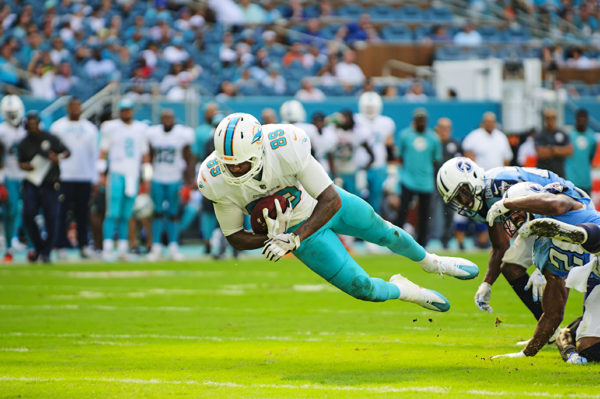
<point>487,145</point>
<point>77,174</point>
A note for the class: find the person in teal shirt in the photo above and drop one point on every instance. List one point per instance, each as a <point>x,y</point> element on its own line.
<point>578,166</point>
<point>418,148</point>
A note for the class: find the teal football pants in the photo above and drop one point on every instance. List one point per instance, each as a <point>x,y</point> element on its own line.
<point>375,179</point>
<point>119,208</point>
<point>168,193</point>
<point>324,253</point>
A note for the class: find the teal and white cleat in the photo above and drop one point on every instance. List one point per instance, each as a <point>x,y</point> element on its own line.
<point>552,228</point>
<point>410,292</point>
<point>460,268</point>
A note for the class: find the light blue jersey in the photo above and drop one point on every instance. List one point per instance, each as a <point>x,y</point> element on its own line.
<point>498,180</point>
<point>560,257</point>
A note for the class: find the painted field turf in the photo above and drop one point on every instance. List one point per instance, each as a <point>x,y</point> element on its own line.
<point>251,328</point>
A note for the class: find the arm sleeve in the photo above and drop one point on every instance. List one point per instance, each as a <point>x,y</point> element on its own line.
<point>230,217</point>
<point>314,178</point>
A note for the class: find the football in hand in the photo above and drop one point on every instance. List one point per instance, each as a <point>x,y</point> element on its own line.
<point>257,221</point>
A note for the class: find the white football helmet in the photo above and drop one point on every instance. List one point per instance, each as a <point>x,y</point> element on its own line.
<point>13,109</point>
<point>370,104</point>
<point>461,185</point>
<point>238,139</point>
<point>292,111</point>
<point>514,220</point>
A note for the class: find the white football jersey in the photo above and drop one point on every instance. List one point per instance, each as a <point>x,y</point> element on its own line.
<point>288,170</point>
<point>167,161</point>
<point>322,143</point>
<point>11,137</point>
<point>125,145</point>
<point>379,129</point>
<point>349,156</point>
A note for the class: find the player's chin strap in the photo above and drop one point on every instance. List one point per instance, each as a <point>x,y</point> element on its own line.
<point>146,171</point>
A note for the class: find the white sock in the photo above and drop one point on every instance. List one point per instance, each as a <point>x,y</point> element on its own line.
<point>108,245</point>
<point>173,247</point>
<point>156,248</point>
<point>428,261</point>
<point>122,246</point>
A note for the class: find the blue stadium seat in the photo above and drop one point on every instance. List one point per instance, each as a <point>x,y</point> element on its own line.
<point>381,12</point>
<point>520,35</point>
<point>490,34</point>
<point>396,33</point>
<point>483,52</point>
<point>409,14</point>
<point>329,31</point>
<point>450,53</point>
<point>350,11</point>
<point>438,15</point>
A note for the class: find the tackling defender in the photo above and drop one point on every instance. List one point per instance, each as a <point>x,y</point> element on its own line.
<point>555,257</point>
<point>251,161</point>
<point>467,188</point>
<point>170,151</point>
<point>12,132</point>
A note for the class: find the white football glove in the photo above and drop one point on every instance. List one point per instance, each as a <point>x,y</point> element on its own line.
<point>524,230</point>
<point>511,355</point>
<point>496,210</point>
<point>538,282</point>
<point>575,358</point>
<point>280,224</point>
<point>483,296</point>
<point>276,247</point>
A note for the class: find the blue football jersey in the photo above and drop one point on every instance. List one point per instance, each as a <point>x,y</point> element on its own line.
<point>560,257</point>
<point>498,180</point>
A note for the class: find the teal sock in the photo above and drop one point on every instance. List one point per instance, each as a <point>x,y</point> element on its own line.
<point>108,228</point>
<point>157,228</point>
<point>172,230</point>
<point>189,214</point>
<point>123,229</point>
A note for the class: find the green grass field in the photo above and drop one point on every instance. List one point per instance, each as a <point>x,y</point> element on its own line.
<point>251,328</point>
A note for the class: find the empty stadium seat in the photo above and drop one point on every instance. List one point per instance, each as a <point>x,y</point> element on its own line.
<point>409,14</point>
<point>381,12</point>
<point>350,11</point>
<point>438,15</point>
<point>396,33</point>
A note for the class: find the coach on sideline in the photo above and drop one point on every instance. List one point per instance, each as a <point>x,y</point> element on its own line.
<point>77,174</point>
<point>39,154</point>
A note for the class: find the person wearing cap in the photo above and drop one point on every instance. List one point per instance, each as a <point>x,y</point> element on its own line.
<point>77,175</point>
<point>39,156</point>
<point>418,148</point>
<point>123,150</point>
<point>170,150</point>
<point>175,52</point>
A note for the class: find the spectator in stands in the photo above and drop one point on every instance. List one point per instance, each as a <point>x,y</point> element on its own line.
<point>172,78</point>
<point>451,94</point>
<point>439,34</point>
<point>40,187</point>
<point>78,173</point>
<point>227,12</point>
<point>226,91</point>
<point>415,93</point>
<point>40,82</point>
<point>8,71</point>
<point>578,166</point>
<point>314,60</point>
<point>309,93</point>
<point>487,145</point>
<point>183,91</point>
<point>443,215</point>
<point>390,91</point>
<point>313,33</point>
<point>469,37</point>
<point>325,9</point>
<point>552,144</point>
<point>347,71</point>
<point>64,80</point>
<point>226,52</point>
<point>97,67</point>
<point>418,149</point>
<point>295,53</point>
<point>161,32</point>
<point>246,81</point>
<point>252,13</point>
<point>274,80</point>
<point>175,52</point>
<point>579,61</point>
<point>31,47</point>
<point>362,30</point>
<point>293,11</point>
<point>268,115</point>
<point>151,54</point>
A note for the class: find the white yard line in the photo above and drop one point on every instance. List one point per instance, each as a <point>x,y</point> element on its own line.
<point>14,350</point>
<point>315,387</point>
